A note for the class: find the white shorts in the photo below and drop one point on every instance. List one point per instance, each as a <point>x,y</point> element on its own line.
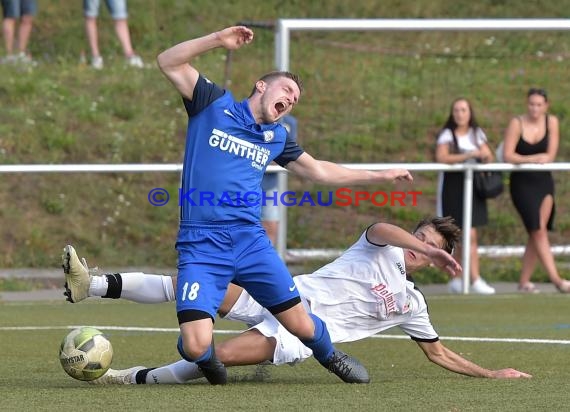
<point>247,310</point>
<point>288,349</point>
<point>344,323</point>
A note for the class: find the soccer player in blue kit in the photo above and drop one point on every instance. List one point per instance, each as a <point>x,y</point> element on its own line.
<point>220,240</point>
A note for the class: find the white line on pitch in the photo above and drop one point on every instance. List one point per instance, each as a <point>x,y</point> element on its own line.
<point>475,339</point>
<point>233,332</point>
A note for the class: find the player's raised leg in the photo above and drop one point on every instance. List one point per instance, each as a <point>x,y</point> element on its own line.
<point>134,286</point>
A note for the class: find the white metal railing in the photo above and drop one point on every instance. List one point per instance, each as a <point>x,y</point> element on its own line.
<point>281,246</point>
<point>494,251</point>
<point>433,167</point>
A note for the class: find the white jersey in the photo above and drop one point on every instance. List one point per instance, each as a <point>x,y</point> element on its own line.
<point>361,293</point>
<point>365,291</point>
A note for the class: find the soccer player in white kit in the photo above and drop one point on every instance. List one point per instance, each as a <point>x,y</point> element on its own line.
<point>363,292</point>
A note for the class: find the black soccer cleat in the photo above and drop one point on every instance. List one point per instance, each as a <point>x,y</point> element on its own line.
<point>214,371</point>
<point>347,368</point>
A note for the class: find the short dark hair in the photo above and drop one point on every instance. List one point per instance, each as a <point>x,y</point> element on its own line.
<point>446,227</point>
<point>269,77</point>
<point>537,91</point>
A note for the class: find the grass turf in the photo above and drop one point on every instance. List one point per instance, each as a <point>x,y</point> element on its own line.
<point>402,379</point>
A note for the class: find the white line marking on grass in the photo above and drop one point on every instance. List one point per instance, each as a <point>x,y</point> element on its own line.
<point>475,339</point>
<point>234,332</point>
<point>121,328</point>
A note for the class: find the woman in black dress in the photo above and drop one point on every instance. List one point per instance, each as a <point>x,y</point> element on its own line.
<point>461,140</point>
<point>533,138</point>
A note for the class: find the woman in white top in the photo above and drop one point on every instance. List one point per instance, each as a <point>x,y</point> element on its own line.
<point>461,140</point>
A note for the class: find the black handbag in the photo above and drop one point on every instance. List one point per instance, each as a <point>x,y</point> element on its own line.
<point>486,184</point>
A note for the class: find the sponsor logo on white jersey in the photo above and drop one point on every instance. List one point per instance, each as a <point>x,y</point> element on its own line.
<point>401,268</point>
<point>240,147</point>
<point>382,292</point>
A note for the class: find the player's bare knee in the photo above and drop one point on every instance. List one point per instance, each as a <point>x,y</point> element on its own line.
<point>194,351</point>
<point>195,346</point>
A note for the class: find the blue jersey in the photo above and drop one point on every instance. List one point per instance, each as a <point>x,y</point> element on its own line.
<point>226,155</point>
<point>290,124</point>
<point>269,183</point>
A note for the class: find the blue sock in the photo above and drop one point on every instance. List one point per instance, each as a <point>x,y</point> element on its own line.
<point>321,344</point>
<point>205,356</point>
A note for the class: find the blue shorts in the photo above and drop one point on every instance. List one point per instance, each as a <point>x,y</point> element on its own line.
<point>14,9</point>
<point>117,8</point>
<point>212,256</point>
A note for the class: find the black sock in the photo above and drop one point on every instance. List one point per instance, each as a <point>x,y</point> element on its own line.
<point>140,377</point>
<point>115,286</point>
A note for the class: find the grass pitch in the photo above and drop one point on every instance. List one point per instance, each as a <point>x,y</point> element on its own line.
<point>522,332</point>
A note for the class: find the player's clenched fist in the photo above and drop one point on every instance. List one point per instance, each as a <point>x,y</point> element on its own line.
<point>233,38</point>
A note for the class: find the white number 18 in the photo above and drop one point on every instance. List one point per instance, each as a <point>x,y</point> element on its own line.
<point>193,293</point>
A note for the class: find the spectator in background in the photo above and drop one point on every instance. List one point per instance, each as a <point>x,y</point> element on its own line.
<point>461,140</point>
<point>269,184</point>
<point>533,138</point>
<point>12,10</point>
<point>118,10</point>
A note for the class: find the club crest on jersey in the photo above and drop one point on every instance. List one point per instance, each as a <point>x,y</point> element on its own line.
<point>268,135</point>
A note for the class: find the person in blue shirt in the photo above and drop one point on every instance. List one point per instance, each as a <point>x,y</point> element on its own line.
<point>229,144</point>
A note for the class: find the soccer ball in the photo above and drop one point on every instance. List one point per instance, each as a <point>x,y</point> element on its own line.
<point>85,354</point>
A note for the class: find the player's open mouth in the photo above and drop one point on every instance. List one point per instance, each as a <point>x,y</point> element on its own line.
<point>280,107</point>
<point>412,254</point>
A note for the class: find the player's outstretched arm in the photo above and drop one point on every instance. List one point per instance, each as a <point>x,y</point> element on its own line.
<point>388,234</point>
<point>321,171</point>
<point>175,62</point>
<point>446,358</point>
